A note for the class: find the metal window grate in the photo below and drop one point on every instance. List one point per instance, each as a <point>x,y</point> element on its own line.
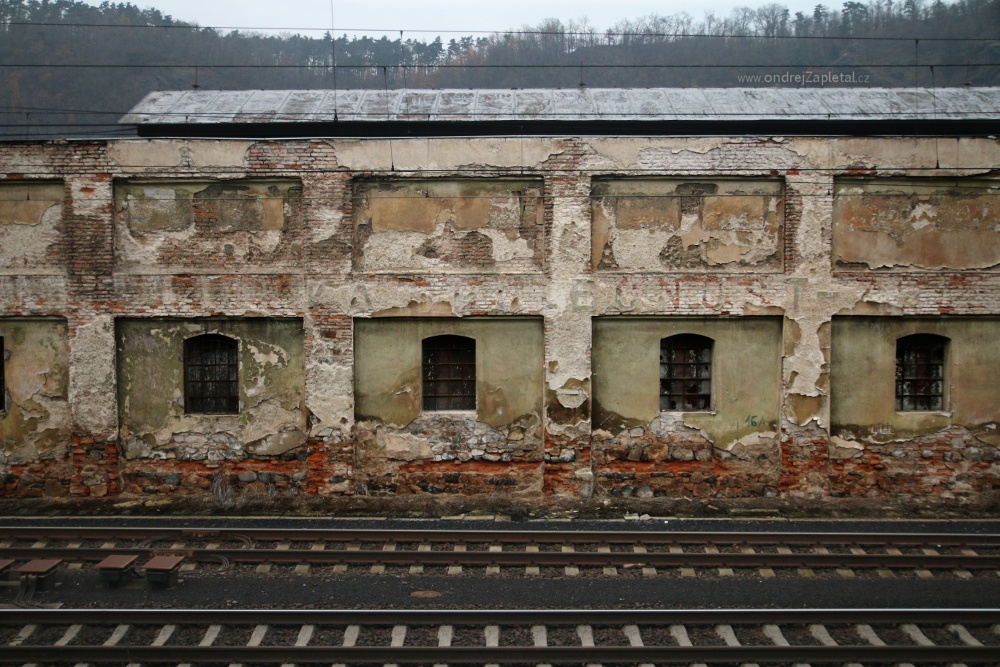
<point>920,373</point>
<point>449,373</point>
<point>685,373</point>
<point>211,375</point>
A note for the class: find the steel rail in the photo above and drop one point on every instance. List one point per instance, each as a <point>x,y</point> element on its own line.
<point>505,536</point>
<point>569,617</point>
<point>526,558</point>
<point>509,654</point>
<point>497,654</point>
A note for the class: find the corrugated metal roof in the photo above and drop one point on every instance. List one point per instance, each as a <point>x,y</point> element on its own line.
<point>584,104</point>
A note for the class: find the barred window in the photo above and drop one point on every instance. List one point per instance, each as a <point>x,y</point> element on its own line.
<point>686,373</point>
<point>211,375</point>
<point>449,373</point>
<point>920,373</point>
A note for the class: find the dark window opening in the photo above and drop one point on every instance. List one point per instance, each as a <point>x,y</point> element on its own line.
<point>211,375</point>
<point>449,373</point>
<point>920,373</point>
<point>685,373</point>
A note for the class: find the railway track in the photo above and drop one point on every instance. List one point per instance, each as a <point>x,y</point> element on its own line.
<point>643,637</point>
<point>606,551</point>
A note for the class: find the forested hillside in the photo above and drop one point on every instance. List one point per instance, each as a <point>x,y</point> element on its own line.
<point>70,68</point>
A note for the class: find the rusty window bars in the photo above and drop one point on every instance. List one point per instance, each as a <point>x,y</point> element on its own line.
<point>920,371</point>
<point>686,373</point>
<point>448,371</point>
<point>211,375</point>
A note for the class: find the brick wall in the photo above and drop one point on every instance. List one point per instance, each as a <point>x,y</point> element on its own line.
<point>574,459</point>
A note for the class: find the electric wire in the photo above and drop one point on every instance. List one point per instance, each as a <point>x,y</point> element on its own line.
<point>467,66</point>
<point>501,33</point>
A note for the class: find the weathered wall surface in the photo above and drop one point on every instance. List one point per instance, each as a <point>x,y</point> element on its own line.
<point>642,225</point>
<point>34,412</point>
<point>732,448</point>
<point>767,230</point>
<point>957,448</point>
<point>154,424</point>
<point>399,443</point>
<point>461,225</point>
<point>863,377</point>
<point>916,223</point>
<point>31,228</point>
<point>190,225</point>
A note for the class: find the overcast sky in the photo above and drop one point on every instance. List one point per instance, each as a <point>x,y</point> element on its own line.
<point>463,16</point>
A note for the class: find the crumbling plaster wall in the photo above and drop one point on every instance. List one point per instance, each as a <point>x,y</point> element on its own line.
<point>949,453</point>
<point>31,215</point>
<point>324,287</point>
<point>399,441</point>
<point>428,226</point>
<point>34,412</point>
<point>639,449</point>
<point>557,289</point>
<point>732,225</point>
<point>916,223</point>
<point>808,293</point>
<point>207,226</point>
<point>154,422</point>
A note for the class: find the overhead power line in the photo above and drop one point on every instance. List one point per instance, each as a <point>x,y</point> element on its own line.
<point>501,33</point>
<point>576,66</point>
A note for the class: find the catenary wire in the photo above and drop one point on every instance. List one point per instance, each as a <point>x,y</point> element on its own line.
<point>567,33</point>
<point>572,66</point>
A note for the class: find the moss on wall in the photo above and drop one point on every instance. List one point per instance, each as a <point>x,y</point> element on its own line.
<point>746,375</point>
<point>863,376</point>
<point>271,420</point>
<point>35,417</point>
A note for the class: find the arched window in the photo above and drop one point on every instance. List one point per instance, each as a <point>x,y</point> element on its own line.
<point>920,373</point>
<point>685,373</point>
<point>211,375</point>
<point>449,373</point>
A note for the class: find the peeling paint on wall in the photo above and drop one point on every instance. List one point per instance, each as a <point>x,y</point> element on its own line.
<point>916,223</point>
<point>154,423</point>
<point>203,225</point>
<point>36,422</point>
<point>31,227</point>
<point>690,225</point>
<point>392,426</point>
<point>483,225</point>
<point>863,377</point>
<point>518,228</point>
